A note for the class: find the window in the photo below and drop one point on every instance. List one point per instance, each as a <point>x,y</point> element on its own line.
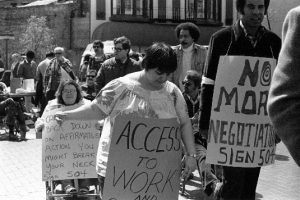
<point>130,8</point>
<point>197,11</point>
<point>100,6</point>
<point>203,10</point>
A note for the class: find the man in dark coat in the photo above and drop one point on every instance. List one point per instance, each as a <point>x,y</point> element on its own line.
<point>246,37</point>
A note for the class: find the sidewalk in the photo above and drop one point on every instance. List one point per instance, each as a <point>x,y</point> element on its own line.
<point>20,174</point>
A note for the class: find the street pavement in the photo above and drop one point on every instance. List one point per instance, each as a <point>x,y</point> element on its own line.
<point>21,174</point>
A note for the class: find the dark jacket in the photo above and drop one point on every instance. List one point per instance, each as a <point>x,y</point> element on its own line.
<point>112,69</point>
<point>232,41</point>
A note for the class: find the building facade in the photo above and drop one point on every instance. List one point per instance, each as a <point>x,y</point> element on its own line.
<point>146,21</point>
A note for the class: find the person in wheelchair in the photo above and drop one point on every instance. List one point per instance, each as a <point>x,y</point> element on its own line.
<point>67,94</point>
<point>12,112</point>
<point>191,93</point>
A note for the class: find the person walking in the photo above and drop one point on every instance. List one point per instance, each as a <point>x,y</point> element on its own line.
<point>96,60</point>
<point>16,58</point>
<point>117,66</point>
<point>27,68</point>
<point>190,56</point>
<point>247,37</point>
<point>59,69</point>
<point>40,73</point>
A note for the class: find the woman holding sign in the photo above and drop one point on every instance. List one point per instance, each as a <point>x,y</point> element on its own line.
<point>68,95</point>
<point>145,94</point>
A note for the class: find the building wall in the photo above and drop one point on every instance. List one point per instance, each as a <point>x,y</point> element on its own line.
<point>206,30</point>
<point>71,32</point>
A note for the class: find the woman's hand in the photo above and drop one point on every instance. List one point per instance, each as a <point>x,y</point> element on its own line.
<point>189,166</point>
<point>99,125</point>
<point>60,117</point>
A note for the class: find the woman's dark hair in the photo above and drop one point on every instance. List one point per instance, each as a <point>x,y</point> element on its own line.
<point>194,76</point>
<point>61,88</point>
<point>160,55</point>
<point>240,4</point>
<point>191,27</point>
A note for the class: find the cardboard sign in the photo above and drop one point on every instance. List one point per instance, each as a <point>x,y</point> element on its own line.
<point>144,159</point>
<point>240,133</point>
<point>69,151</point>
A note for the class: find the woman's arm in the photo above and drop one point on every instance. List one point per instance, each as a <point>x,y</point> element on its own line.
<point>87,112</point>
<point>188,142</point>
<point>187,137</point>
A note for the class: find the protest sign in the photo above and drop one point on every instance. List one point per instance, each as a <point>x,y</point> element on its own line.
<point>144,159</point>
<point>68,150</point>
<point>240,133</point>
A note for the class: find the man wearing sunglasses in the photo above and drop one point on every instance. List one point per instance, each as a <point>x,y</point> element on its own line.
<point>88,89</point>
<point>191,93</point>
<point>117,66</point>
<point>95,61</point>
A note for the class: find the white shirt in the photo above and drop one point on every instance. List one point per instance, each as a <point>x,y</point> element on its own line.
<point>186,63</point>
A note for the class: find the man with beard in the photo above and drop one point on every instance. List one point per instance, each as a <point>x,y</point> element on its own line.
<point>190,56</point>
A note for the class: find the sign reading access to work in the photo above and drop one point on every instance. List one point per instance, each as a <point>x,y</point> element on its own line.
<point>240,133</point>
<point>69,151</point>
<point>144,159</point>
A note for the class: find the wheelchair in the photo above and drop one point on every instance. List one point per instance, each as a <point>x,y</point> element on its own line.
<point>55,192</point>
<point>202,171</point>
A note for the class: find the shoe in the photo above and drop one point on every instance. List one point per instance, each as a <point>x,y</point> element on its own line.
<point>70,189</point>
<point>217,190</point>
<point>23,136</point>
<point>12,137</point>
<point>209,188</point>
<point>84,190</point>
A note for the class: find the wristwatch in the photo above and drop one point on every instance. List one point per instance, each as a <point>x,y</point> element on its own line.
<point>193,155</point>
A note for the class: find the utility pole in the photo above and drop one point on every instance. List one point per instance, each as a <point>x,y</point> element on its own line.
<point>6,37</point>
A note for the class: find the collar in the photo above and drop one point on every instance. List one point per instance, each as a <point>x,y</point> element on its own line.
<point>25,60</point>
<point>122,63</point>
<point>191,99</point>
<point>240,31</point>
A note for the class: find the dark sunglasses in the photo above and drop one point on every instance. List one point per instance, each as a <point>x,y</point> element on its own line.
<point>90,76</point>
<point>186,83</point>
<point>96,47</point>
<point>58,53</point>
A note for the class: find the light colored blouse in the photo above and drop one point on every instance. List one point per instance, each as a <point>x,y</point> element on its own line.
<point>124,95</point>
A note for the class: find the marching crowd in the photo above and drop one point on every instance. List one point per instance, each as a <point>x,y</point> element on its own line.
<point>169,82</point>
